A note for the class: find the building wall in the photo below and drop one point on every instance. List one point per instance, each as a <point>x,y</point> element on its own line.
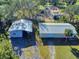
<point>15,34</point>
<point>51,35</point>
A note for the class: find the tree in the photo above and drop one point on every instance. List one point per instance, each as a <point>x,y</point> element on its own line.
<point>70,2</point>
<point>68,32</point>
<point>72,11</point>
<point>63,19</point>
<point>6,51</point>
<point>55,2</point>
<point>25,8</point>
<point>76,18</point>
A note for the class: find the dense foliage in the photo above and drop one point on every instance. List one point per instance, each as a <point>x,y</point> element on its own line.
<point>68,32</point>
<point>11,10</point>
<point>6,51</point>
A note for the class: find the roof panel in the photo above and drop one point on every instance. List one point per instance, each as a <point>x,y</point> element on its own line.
<point>21,25</point>
<point>55,27</point>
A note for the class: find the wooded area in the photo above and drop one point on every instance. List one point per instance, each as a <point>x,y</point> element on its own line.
<point>11,10</point>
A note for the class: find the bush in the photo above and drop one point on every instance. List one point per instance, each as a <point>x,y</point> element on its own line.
<point>62,5</point>
<point>6,51</point>
<point>68,32</point>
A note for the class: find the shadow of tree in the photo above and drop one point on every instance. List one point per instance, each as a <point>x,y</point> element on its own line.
<point>75,52</point>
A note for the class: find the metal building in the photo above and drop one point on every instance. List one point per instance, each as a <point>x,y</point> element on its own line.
<point>55,30</point>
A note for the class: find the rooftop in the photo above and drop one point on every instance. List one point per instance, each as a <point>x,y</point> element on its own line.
<point>55,27</point>
<point>22,24</point>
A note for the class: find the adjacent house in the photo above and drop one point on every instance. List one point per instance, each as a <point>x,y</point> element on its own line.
<point>55,30</point>
<point>51,12</point>
<point>54,10</point>
<point>21,35</point>
<point>20,28</point>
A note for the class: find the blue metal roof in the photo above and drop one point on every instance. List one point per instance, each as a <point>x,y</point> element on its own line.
<point>22,24</point>
<point>55,28</point>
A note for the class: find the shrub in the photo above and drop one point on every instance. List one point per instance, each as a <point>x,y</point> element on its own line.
<point>68,32</point>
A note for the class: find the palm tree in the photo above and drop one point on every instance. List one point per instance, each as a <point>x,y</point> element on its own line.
<point>23,8</point>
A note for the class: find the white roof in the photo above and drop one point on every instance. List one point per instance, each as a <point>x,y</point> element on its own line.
<point>55,28</point>
<point>22,24</point>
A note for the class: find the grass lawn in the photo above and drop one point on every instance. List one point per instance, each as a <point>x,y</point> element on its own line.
<point>64,52</point>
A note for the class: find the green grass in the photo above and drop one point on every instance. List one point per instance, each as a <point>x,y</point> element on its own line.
<point>64,52</point>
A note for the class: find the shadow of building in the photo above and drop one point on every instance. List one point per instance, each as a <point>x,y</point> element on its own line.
<point>59,41</point>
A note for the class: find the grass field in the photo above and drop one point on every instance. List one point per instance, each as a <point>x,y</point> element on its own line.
<point>61,52</point>
<point>64,52</point>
